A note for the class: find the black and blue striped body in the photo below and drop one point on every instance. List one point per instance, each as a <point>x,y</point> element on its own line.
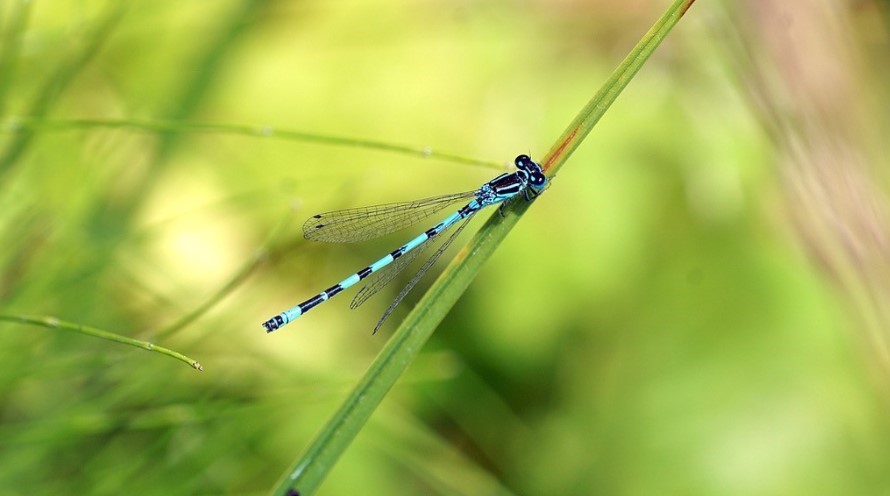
<point>528,180</point>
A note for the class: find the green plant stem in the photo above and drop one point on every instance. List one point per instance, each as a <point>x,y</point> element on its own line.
<point>54,323</point>
<point>309,471</point>
<point>27,124</point>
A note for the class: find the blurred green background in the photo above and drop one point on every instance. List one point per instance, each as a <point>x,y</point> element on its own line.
<point>696,306</point>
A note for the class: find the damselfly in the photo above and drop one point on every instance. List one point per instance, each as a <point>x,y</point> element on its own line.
<point>359,224</point>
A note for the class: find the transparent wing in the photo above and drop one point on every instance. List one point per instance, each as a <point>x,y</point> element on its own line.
<point>384,276</point>
<point>360,224</point>
<point>423,270</point>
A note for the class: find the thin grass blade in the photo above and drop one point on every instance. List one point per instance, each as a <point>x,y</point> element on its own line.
<point>54,323</point>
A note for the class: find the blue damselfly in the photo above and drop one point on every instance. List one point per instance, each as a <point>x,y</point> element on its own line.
<point>359,224</point>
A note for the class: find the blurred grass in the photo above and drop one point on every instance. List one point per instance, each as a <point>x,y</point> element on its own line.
<point>57,82</point>
<point>686,339</point>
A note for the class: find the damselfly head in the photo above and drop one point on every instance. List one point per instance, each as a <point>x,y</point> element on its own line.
<point>536,177</point>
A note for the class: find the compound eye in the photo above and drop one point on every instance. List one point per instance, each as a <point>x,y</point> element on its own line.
<point>537,179</point>
<point>523,162</point>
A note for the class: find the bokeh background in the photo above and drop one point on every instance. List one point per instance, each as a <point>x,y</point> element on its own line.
<point>698,305</point>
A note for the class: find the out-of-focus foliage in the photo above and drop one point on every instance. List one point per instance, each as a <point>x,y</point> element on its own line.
<point>682,312</point>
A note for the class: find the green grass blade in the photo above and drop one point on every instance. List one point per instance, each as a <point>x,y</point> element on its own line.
<point>54,323</point>
<point>309,471</point>
<point>27,124</point>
